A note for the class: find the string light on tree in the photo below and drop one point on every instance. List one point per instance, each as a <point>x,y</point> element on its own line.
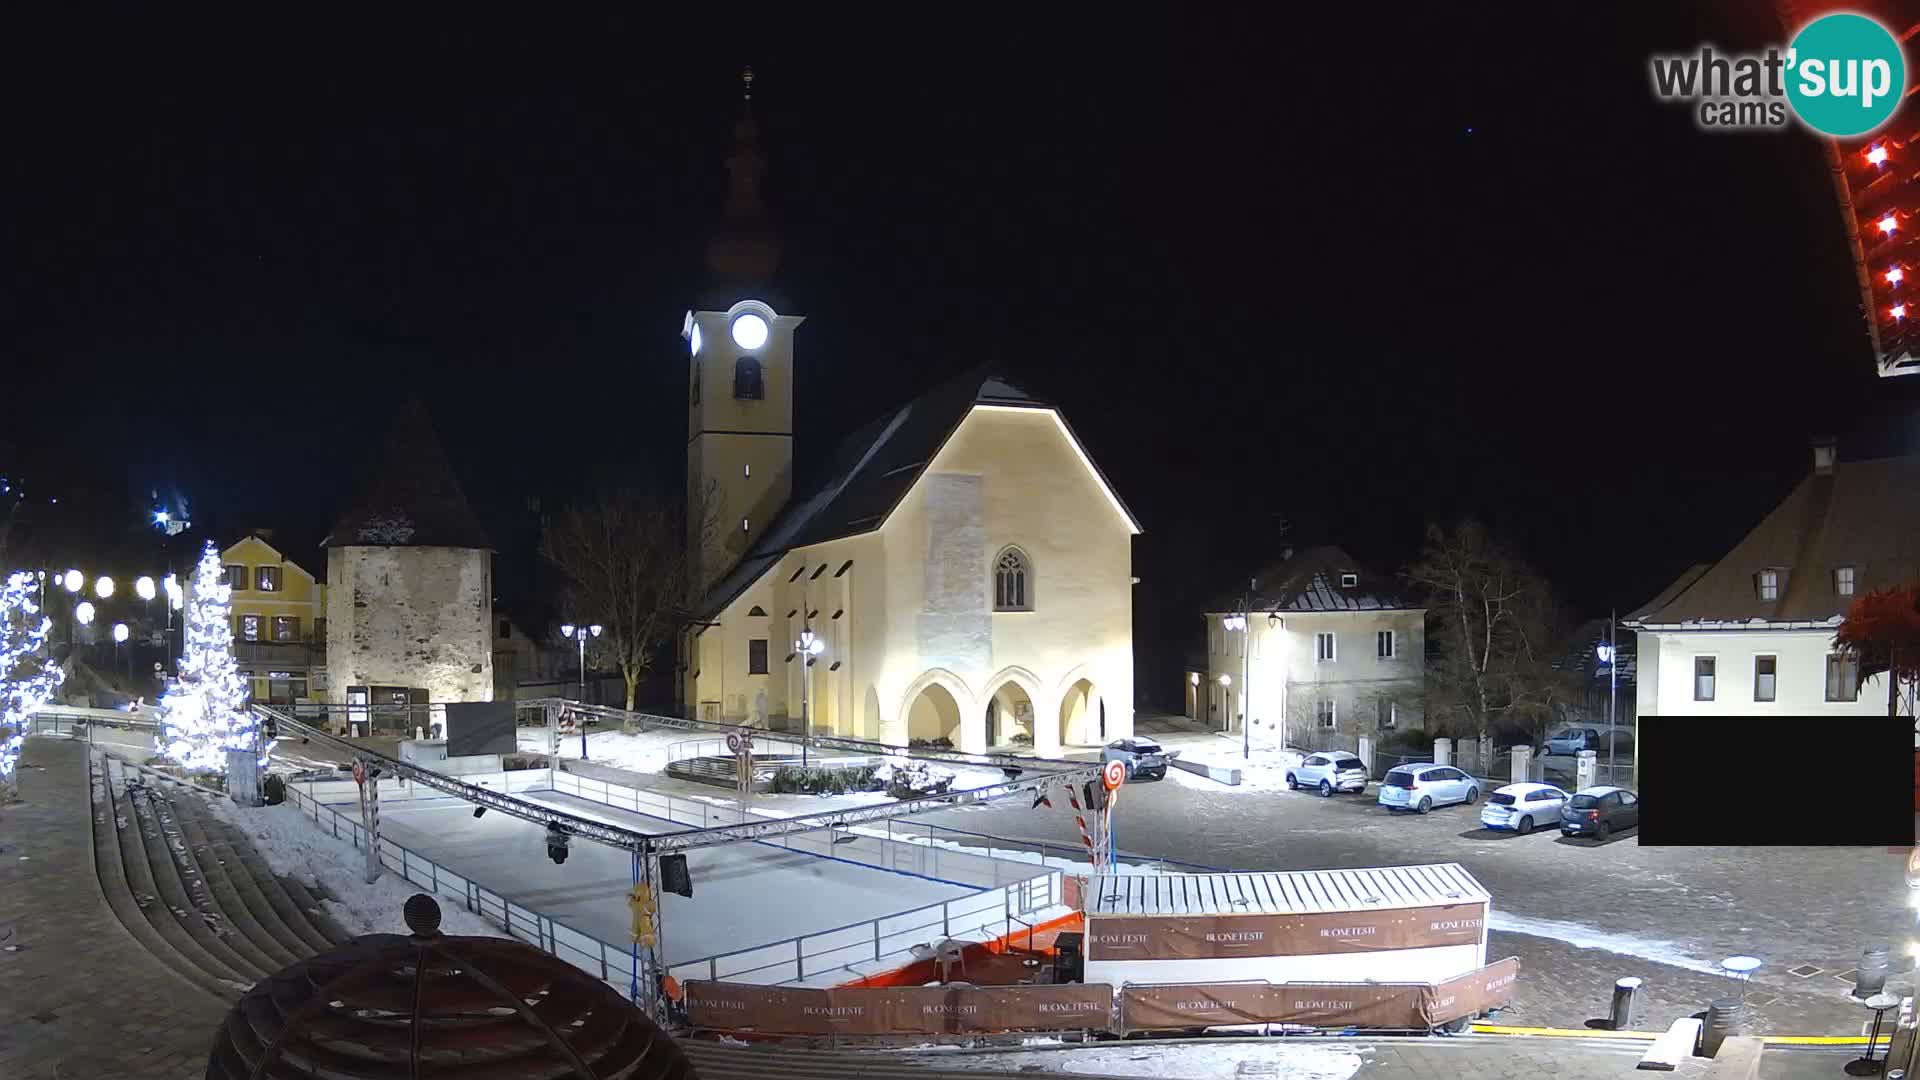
<point>204,711</point>
<point>1888,224</point>
<point>1877,155</point>
<point>27,677</point>
<point>1894,275</point>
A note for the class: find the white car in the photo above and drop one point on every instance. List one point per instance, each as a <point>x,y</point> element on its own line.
<point>1422,787</point>
<point>1329,771</point>
<point>1524,807</point>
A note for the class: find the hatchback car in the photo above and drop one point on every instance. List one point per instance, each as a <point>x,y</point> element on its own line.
<point>1420,788</point>
<point>1523,807</point>
<point>1329,771</point>
<point>1573,740</point>
<point>1144,758</point>
<point>1599,812</point>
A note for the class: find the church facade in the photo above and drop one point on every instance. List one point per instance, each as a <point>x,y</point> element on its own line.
<point>962,576</point>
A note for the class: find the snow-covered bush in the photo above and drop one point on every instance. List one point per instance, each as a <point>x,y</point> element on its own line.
<point>909,779</point>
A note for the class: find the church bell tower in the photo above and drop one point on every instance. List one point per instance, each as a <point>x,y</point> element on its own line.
<point>740,373</point>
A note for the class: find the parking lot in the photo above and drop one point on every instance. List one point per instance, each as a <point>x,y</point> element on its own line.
<point>1579,913</point>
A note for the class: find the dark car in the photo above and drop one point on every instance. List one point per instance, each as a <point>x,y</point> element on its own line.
<point>1144,758</point>
<point>1599,812</point>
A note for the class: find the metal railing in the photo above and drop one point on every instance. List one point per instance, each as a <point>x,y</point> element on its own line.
<point>612,963</point>
<point>989,915</point>
<point>997,847</point>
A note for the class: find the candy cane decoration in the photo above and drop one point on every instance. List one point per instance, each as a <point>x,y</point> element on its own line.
<point>1080,820</point>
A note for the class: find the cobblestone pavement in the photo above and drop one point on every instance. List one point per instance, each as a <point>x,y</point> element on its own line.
<point>78,997</point>
<point>1668,915</point>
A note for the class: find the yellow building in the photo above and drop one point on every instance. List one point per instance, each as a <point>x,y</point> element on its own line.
<point>963,575</point>
<point>279,622</point>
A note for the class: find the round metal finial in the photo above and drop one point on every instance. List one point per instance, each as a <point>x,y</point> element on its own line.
<point>422,914</point>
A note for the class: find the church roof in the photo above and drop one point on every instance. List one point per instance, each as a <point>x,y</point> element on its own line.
<point>871,471</point>
<point>1313,580</point>
<point>1860,515</point>
<point>414,500</point>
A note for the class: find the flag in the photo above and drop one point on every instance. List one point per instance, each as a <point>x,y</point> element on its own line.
<point>1040,799</point>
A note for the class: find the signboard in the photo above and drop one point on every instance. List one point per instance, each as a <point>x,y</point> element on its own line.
<point>480,727</point>
<point>1210,937</point>
<point>1113,775</point>
<point>913,1010</point>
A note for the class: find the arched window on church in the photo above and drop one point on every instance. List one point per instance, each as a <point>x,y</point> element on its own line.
<point>746,379</point>
<point>1012,581</point>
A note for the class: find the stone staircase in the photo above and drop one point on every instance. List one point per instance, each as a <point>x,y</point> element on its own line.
<point>191,889</point>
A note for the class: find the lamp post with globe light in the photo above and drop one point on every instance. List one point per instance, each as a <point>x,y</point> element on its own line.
<point>580,634</point>
<point>1609,656</point>
<point>809,646</point>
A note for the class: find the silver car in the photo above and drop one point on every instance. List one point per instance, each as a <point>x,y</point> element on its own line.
<point>1420,788</point>
<point>1327,772</point>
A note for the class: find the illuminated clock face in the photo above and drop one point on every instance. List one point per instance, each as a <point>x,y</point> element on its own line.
<point>694,339</point>
<point>749,331</point>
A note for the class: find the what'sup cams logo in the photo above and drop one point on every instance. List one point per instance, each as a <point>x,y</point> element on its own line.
<point>1842,75</point>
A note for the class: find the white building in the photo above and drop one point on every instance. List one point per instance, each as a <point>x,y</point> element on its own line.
<point>1337,651</point>
<point>964,565</point>
<point>1753,632</point>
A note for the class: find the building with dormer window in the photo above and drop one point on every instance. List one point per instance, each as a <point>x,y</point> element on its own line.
<point>1753,632</point>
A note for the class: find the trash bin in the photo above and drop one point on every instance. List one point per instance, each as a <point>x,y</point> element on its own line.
<point>1725,1017</point>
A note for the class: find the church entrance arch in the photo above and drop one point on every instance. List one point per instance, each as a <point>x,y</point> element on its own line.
<point>933,715</point>
<point>1082,715</point>
<point>870,714</point>
<point>1011,714</point>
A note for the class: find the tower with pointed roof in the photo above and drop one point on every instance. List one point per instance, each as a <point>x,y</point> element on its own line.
<point>740,371</point>
<point>410,583</point>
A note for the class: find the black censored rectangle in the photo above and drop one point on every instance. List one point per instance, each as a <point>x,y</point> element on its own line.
<point>1776,781</point>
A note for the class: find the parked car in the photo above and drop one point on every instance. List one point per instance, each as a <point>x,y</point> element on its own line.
<point>1329,771</point>
<point>1144,758</point>
<point>1523,807</point>
<point>1573,740</point>
<point>1599,812</point>
<point>1420,788</point>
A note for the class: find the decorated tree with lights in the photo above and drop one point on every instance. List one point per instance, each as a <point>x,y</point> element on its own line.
<point>28,674</point>
<point>204,711</point>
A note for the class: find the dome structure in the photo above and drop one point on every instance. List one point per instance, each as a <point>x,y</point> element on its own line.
<point>388,1006</point>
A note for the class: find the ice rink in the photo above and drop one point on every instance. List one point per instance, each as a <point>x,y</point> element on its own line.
<point>744,894</point>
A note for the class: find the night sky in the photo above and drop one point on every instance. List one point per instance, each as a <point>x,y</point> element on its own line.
<point>1356,275</point>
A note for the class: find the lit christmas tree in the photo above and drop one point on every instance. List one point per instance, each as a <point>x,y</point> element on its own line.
<point>27,674</point>
<point>204,711</point>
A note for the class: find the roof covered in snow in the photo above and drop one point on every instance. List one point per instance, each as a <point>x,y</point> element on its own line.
<point>1317,579</point>
<point>1278,893</point>
<point>414,500</point>
<point>871,471</point>
<point>1860,515</point>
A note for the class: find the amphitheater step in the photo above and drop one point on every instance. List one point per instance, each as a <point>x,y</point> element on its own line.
<point>130,895</point>
<point>241,905</point>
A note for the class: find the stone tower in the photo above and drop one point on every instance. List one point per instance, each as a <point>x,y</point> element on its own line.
<point>740,376</point>
<point>410,584</point>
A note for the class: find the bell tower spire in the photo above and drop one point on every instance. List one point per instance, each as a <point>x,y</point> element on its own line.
<point>740,380</point>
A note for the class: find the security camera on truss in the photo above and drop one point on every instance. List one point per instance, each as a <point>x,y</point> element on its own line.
<point>556,843</point>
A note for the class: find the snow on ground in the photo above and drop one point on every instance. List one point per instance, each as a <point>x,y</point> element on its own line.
<point>1587,937</point>
<point>294,846</point>
<point>1194,1060</point>
<point>635,751</point>
<point>1265,770</point>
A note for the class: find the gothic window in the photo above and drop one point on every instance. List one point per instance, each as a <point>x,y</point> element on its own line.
<point>1012,581</point>
<point>746,379</point>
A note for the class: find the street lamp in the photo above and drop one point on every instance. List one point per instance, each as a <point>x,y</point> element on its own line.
<point>83,612</point>
<point>73,581</point>
<point>1608,654</point>
<point>144,588</point>
<point>580,634</point>
<point>103,588</point>
<point>808,647</point>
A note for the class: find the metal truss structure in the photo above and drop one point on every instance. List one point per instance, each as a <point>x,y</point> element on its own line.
<point>1018,782</point>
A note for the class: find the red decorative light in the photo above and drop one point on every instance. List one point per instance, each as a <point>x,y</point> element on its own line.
<point>1894,275</point>
<point>1877,155</point>
<point>1899,311</point>
<point>1887,224</point>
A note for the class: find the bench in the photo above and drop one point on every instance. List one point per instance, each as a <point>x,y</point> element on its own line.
<point>1673,1046</point>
